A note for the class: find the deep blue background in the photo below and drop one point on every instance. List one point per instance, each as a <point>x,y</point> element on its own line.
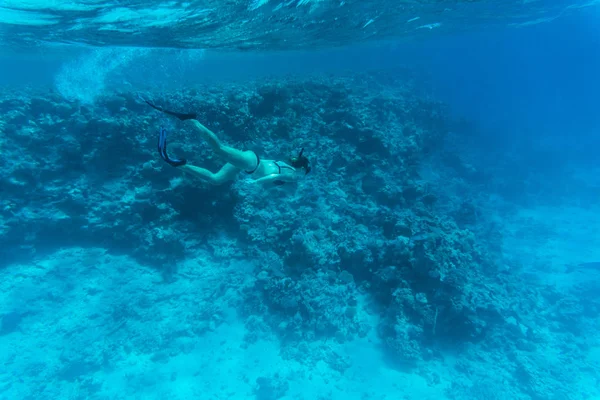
<point>541,80</point>
<point>538,81</point>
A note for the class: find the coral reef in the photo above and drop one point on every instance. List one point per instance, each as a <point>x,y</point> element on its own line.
<point>365,245</point>
<point>362,221</point>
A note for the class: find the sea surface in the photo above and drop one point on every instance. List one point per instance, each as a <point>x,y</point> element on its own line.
<point>444,245</point>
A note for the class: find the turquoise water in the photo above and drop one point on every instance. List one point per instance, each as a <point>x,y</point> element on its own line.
<point>443,246</point>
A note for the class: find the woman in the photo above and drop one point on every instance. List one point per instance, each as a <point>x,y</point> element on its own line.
<point>261,171</point>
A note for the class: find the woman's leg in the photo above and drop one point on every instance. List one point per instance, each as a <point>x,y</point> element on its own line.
<point>244,160</point>
<point>227,173</point>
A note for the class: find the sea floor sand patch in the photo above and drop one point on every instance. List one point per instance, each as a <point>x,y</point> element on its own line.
<point>224,366</point>
<point>552,238</point>
<point>105,325</point>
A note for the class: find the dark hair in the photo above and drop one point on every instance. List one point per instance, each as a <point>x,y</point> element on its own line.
<point>300,161</point>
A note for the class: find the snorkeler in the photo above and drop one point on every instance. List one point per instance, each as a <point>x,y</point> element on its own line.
<point>261,171</point>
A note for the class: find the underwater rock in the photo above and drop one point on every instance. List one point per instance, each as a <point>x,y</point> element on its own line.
<point>114,104</point>
<point>273,388</point>
<point>40,105</point>
<point>10,322</point>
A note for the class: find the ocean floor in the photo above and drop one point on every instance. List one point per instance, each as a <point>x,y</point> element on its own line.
<point>92,322</point>
<point>83,323</point>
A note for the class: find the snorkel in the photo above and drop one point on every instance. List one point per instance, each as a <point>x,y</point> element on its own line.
<point>300,161</point>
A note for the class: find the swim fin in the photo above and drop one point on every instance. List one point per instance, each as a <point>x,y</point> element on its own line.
<point>162,150</point>
<point>179,116</point>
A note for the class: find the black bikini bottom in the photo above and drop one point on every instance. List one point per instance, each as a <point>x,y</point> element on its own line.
<point>257,164</point>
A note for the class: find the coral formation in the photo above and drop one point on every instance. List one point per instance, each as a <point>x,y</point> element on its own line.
<point>365,245</point>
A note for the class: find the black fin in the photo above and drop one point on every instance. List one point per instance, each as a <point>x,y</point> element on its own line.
<point>179,116</point>
<point>162,150</point>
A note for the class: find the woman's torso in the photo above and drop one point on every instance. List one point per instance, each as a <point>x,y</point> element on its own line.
<point>269,167</point>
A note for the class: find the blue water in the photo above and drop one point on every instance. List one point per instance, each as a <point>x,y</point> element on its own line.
<point>443,246</point>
